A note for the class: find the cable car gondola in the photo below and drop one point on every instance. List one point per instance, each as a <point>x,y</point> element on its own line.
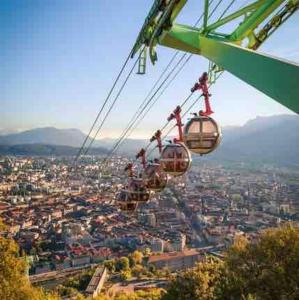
<point>124,201</point>
<point>154,177</point>
<point>175,157</point>
<point>138,191</point>
<point>133,193</point>
<point>202,135</point>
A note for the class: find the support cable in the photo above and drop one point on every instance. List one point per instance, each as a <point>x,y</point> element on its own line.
<point>103,106</point>
<point>136,115</point>
<point>129,127</point>
<point>140,108</point>
<point>122,137</point>
<point>111,107</point>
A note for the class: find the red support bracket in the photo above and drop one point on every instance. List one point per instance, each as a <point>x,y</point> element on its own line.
<point>157,137</point>
<point>129,168</point>
<point>176,114</point>
<point>202,84</point>
<point>141,154</point>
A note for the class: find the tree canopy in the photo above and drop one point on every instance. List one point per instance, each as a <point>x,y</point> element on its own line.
<point>267,268</point>
<point>196,283</point>
<point>264,268</point>
<point>14,284</point>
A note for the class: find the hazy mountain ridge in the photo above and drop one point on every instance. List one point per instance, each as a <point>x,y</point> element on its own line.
<point>45,150</point>
<point>273,139</point>
<point>268,139</point>
<point>46,135</point>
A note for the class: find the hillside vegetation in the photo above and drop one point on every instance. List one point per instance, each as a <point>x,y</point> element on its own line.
<point>267,268</point>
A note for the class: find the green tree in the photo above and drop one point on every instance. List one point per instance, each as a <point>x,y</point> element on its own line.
<point>135,258</point>
<point>70,292</point>
<point>122,264</point>
<point>80,281</point>
<point>110,265</point>
<point>147,252</point>
<point>125,275</point>
<point>236,197</point>
<point>266,269</point>
<point>124,296</point>
<point>14,284</point>
<point>102,297</point>
<point>138,271</point>
<point>197,283</point>
<point>153,294</point>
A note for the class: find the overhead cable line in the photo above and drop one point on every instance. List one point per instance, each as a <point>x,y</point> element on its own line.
<point>136,115</point>
<point>111,106</point>
<point>122,137</point>
<point>103,106</point>
<point>162,92</point>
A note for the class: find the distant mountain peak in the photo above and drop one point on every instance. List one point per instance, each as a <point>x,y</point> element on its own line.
<point>271,120</point>
<point>260,139</point>
<point>45,135</point>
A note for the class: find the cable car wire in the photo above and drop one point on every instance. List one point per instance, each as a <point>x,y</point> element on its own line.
<point>111,106</point>
<point>140,108</point>
<point>227,9</point>
<point>153,103</point>
<point>103,106</point>
<point>130,127</point>
<point>137,113</point>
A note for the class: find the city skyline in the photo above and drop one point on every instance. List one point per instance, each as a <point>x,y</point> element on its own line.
<point>58,67</point>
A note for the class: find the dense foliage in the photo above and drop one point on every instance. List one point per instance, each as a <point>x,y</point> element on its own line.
<point>196,283</point>
<point>261,270</point>
<point>267,268</point>
<point>79,281</point>
<point>14,284</point>
<point>154,294</point>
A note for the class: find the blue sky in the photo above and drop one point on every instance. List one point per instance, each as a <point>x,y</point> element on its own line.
<point>59,58</point>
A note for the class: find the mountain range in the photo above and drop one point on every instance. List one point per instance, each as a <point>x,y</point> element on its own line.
<point>47,135</point>
<point>269,139</point>
<point>264,139</point>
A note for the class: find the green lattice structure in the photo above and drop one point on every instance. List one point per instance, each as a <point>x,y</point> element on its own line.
<point>233,51</point>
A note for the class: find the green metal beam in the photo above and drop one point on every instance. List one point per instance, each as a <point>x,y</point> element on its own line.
<point>233,16</point>
<point>277,78</point>
<point>157,12</point>
<point>206,13</point>
<point>256,18</point>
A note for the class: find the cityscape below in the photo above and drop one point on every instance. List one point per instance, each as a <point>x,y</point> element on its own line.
<point>66,221</point>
